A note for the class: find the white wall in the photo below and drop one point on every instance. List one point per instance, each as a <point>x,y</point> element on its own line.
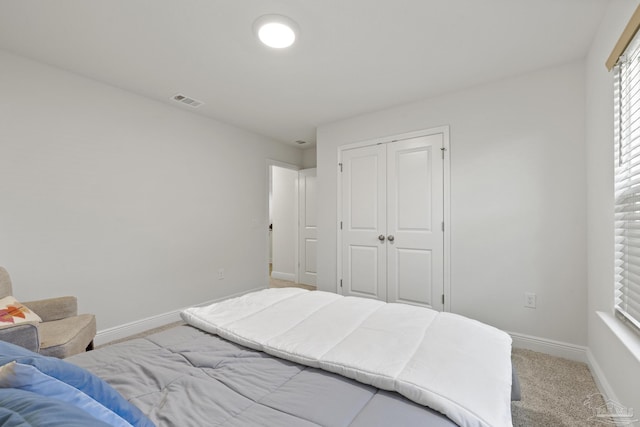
<point>309,158</point>
<point>614,351</point>
<point>518,197</point>
<point>130,204</point>
<point>285,220</point>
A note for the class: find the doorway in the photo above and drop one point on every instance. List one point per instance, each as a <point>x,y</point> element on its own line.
<point>292,237</point>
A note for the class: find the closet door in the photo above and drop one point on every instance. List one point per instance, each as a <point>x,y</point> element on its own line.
<point>363,243</point>
<point>391,233</point>
<point>415,239</point>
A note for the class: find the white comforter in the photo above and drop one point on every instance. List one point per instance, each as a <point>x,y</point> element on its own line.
<point>455,365</point>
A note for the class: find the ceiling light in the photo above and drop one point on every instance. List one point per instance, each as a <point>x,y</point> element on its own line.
<point>276,31</point>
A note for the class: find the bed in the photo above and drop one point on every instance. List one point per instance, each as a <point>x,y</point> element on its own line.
<point>186,376</point>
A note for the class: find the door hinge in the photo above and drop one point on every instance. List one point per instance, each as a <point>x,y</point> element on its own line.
<point>442,225</point>
<point>443,150</point>
<point>340,282</point>
<point>340,225</point>
<point>340,164</point>
<point>442,299</point>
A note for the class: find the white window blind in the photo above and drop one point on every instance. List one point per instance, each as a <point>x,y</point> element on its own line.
<point>627,183</point>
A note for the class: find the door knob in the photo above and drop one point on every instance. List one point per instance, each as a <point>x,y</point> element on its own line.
<point>381,237</point>
<point>390,237</point>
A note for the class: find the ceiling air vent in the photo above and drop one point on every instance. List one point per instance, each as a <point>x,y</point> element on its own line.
<point>193,103</point>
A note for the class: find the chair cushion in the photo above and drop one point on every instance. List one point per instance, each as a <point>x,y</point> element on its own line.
<point>66,337</point>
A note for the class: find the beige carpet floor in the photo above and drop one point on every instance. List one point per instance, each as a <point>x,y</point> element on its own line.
<point>554,390</point>
<point>278,283</point>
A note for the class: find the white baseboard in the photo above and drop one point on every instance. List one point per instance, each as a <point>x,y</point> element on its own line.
<point>283,276</point>
<point>126,330</point>
<point>599,377</point>
<point>552,347</point>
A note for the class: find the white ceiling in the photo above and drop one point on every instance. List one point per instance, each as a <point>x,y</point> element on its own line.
<point>352,56</point>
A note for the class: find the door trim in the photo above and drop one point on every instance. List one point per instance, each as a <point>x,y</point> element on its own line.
<point>444,130</point>
<point>270,163</point>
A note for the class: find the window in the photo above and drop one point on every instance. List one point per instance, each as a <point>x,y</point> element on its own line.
<point>627,182</point>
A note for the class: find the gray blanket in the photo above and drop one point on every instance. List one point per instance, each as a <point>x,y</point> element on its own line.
<point>186,377</point>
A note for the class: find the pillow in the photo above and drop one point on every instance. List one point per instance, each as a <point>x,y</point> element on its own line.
<point>11,311</point>
<point>79,380</point>
<point>29,378</point>
<point>19,408</point>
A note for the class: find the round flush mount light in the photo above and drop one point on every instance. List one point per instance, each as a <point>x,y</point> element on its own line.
<point>276,31</point>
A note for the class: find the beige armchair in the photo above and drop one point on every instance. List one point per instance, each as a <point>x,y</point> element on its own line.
<point>62,331</point>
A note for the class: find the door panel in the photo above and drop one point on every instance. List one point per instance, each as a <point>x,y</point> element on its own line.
<point>363,188</point>
<point>413,272</point>
<point>307,232</point>
<point>365,199</point>
<point>310,249</point>
<point>413,189</point>
<point>363,263</point>
<point>415,215</point>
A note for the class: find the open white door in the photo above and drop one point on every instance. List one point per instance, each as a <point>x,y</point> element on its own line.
<point>307,223</point>
<point>284,217</point>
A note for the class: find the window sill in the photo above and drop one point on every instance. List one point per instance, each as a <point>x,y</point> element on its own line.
<point>628,338</point>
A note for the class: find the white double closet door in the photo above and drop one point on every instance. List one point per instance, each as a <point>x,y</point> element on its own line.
<point>391,241</point>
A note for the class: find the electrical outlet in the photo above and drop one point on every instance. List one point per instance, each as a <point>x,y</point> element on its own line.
<point>530,300</point>
<point>220,273</point>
